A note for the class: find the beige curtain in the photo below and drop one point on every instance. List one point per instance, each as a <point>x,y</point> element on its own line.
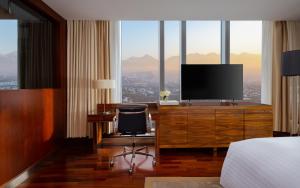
<point>103,44</point>
<point>286,36</point>
<point>87,59</point>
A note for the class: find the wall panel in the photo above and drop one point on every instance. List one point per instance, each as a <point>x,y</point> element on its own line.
<point>33,121</point>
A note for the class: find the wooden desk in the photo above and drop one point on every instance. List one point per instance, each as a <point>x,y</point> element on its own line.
<point>96,118</point>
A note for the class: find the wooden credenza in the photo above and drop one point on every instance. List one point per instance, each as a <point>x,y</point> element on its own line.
<point>212,125</point>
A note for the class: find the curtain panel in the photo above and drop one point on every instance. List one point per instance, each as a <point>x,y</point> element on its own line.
<point>285,90</point>
<point>35,54</point>
<point>266,66</point>
<point>88,59</point>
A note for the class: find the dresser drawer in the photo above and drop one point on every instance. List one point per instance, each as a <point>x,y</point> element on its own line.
<point>173,129</point>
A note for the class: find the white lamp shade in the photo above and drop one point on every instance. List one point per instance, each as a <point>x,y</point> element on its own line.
<point>104,84</point>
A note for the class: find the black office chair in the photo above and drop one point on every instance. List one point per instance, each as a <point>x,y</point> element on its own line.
<point>132,120</point>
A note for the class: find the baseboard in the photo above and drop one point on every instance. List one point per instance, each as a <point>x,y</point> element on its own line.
<point>22,177</point>
<point>78,141</point>
<point>280,134</point>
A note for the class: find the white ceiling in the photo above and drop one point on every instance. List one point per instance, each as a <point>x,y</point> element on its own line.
<point>177,9</point>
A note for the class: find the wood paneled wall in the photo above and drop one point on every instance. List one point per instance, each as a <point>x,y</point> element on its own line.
<point>33,121</point>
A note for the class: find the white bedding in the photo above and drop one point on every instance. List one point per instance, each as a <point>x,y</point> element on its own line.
<point>262,163</point>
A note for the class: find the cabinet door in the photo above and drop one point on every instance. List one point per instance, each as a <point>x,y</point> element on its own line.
<point>173,129</point>
<point>258,125</point>
<point>229,127</point>
<point>201,129</point>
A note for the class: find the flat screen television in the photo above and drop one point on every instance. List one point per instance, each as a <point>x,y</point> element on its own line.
<point>210,81</point>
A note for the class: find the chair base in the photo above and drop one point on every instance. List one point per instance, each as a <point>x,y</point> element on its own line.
<point>132,151</point>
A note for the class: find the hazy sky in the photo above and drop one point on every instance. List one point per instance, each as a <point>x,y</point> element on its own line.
<point>245,36</point>
<point>142,37</point>
<point>172,39</point>
<point>8,36</point>
<point>203,37</point>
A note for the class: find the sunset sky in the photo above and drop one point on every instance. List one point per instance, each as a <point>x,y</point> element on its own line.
<point>142,37</point>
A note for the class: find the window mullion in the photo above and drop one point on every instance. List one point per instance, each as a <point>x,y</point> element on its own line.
<point>162,54</point>
<point>183,43</point>
<point>225,42</point>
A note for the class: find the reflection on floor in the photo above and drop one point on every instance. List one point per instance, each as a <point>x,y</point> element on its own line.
<point>77,167</point>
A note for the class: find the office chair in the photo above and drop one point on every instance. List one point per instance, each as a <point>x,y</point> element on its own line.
<point>132,120</point>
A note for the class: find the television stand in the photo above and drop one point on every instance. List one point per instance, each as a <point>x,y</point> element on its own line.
<point>229,103</point>
<point>212,124</point>
<point>212,103</point>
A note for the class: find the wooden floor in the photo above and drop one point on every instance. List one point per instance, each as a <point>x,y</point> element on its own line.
<point>75,167</point>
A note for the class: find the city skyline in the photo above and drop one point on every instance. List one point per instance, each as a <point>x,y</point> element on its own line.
<point>140,75</point>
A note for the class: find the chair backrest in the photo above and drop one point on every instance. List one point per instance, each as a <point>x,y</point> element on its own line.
<point>132,119</point>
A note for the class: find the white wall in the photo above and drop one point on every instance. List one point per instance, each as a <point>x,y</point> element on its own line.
<point>177,9</point>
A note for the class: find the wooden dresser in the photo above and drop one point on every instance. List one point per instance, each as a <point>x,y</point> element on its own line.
<point>212,124</point>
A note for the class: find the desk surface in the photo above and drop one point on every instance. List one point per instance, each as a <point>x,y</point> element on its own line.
<point>152,107</point>
<point>100,117</point>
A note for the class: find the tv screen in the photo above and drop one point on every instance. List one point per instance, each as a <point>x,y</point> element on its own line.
<point>222,81</point>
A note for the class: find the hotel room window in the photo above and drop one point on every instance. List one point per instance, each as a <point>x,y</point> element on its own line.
<point>203,42</point>
<point>140,61</point>
<point>8,54</point>
<point>245,48</point>
<point>172,58</point>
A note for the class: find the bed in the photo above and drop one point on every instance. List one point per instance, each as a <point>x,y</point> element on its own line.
<point>262,163</point>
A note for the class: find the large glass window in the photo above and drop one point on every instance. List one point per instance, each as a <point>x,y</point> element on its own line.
<point>140,61</point>
<point>8,54</point>
<point>141,47</point>
<point>172,58</point>
<point>203,41</point>
<point>245,48</point>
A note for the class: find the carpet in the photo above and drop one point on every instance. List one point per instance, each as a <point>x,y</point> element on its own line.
<point>182,182</point>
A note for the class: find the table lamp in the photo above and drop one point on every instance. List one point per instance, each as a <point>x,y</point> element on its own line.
<point>104,84</point>
<point>291,67</point>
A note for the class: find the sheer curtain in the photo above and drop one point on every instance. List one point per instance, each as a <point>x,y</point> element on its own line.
<point>115,56</point>
<point>286,36</point>
<point>266,67</point>
<point>35,54</point>
<point>88,59</point>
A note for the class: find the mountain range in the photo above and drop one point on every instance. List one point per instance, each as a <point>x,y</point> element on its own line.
<point>147,63</point>
<point>251,64</point>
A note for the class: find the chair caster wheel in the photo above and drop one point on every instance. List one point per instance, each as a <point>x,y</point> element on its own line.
<point>154,162</point>
<point>130,171</point>
<point>111,163</point>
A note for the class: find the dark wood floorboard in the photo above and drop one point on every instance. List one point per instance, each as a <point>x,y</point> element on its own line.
<point>75,167</point>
